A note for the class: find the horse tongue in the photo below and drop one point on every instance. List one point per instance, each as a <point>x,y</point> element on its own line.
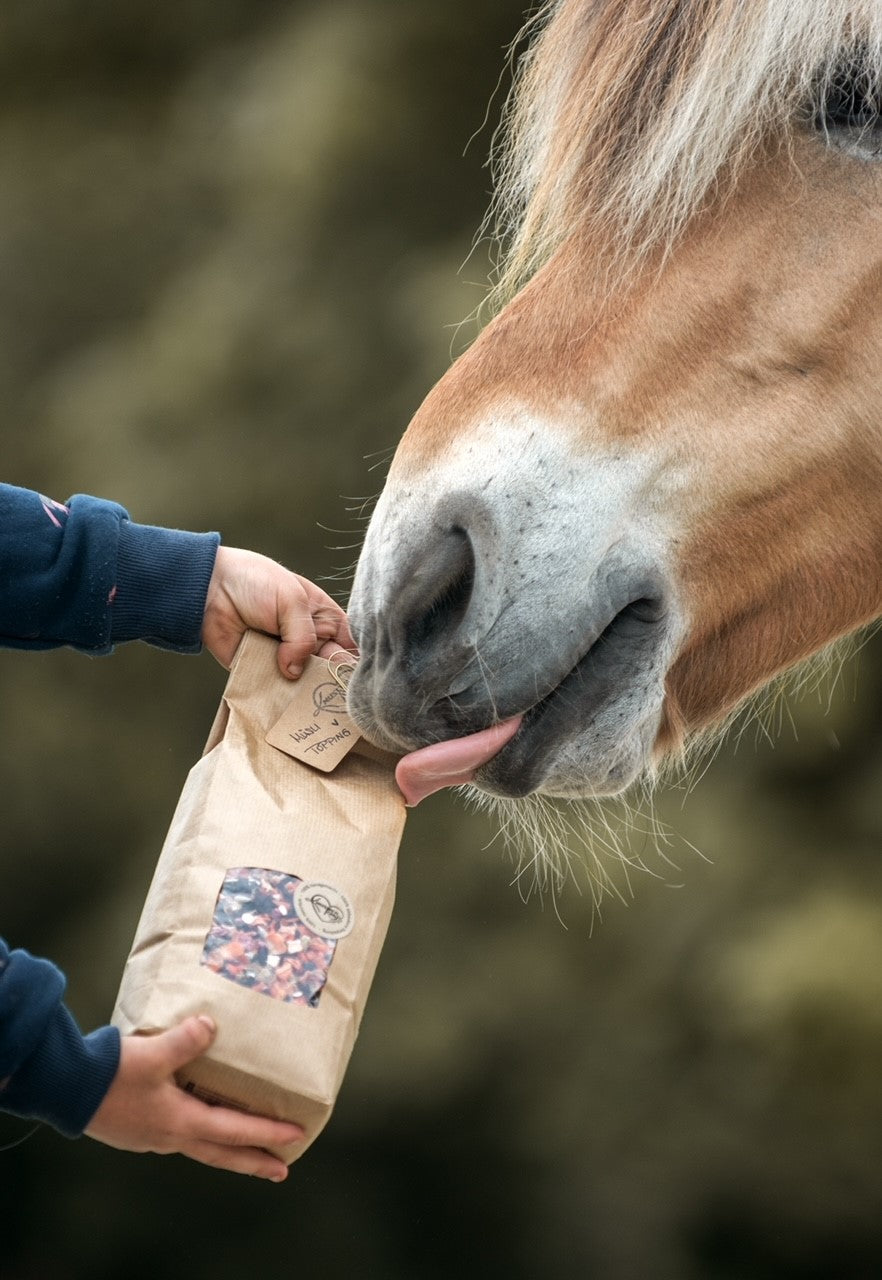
<point>450,763</point>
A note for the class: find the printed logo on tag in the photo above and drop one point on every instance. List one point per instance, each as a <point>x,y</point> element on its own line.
<point>329,699</point>
<point>315,726</point>
<point>326,910</point>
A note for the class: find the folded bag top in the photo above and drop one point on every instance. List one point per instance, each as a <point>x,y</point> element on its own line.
<point>272,895</point>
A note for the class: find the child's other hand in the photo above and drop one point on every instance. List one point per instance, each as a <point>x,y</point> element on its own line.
<point>248,590</point>
<point>144,1110</point>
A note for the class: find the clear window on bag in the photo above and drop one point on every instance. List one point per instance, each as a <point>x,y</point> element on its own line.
<point>258,940</point>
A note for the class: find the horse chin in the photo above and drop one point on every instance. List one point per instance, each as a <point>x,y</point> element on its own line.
<point>604,759</point>
<point>595,732</point>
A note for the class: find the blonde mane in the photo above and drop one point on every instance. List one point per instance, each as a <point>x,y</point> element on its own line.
<point>627,115</point>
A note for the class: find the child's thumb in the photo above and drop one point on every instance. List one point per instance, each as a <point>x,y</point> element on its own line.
<point>186,1041</point>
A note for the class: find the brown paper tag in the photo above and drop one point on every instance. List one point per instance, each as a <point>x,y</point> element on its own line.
<point>315,726</point>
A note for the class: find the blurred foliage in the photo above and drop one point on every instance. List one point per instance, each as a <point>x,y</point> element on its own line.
<point>232,239</point>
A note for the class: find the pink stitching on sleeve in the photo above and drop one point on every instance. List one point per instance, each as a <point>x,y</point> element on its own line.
<point>50,506</point>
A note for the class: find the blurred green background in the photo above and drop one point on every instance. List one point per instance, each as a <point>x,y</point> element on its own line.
<point>234,252</point>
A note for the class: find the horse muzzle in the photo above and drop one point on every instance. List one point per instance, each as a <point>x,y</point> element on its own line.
<point>469,612</point>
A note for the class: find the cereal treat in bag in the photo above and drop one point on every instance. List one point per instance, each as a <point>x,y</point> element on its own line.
<point>272,895</point>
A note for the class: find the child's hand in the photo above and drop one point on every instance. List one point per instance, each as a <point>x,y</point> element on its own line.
<point>248,590</point>
<point>144,1110</point>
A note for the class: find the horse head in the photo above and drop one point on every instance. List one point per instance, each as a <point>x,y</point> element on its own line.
<point>654,481</point>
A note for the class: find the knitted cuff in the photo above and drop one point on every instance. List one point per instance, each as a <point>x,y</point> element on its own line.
<point>64,1081</point>
<point>162,581</point>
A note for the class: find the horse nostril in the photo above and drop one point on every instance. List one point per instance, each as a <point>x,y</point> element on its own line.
<point>440,595</point>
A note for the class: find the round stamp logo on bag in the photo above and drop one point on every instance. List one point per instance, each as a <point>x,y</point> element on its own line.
<point>324,909</point>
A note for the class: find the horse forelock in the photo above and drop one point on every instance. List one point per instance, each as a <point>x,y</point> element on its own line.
<point>627,115</point>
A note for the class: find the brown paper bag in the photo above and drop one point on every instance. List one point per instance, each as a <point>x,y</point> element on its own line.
<point>272,896</point>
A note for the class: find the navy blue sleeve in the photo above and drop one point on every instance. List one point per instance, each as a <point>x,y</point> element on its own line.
<point>83,574</point>
<point>48,1069</point>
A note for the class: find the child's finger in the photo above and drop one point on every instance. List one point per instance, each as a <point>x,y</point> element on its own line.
<point>292,653</point>
<point>329,618</point>
<point>230,1128</point>
<point>181,1044</point>
<point>331,649</point>
<point>302,634</point>
<point>248,1160</point>
<point>331,623</point>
